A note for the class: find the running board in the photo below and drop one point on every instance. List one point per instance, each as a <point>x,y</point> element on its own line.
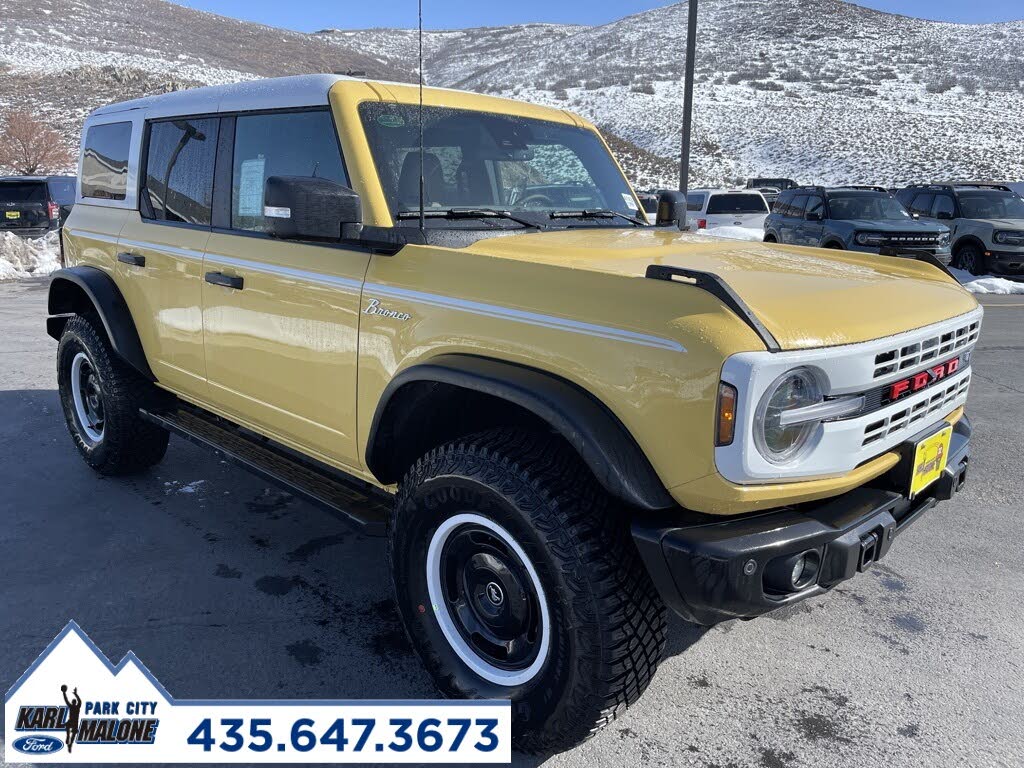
<point>354,502</point>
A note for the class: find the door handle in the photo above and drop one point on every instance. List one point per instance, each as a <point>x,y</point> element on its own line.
<point>132,258</point>
<point>228,281</point>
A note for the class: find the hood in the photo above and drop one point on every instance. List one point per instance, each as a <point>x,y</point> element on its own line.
<point>1017,224</point>
<point>806,297</point>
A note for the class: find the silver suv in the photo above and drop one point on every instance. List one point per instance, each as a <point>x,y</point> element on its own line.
<point>987,222</point>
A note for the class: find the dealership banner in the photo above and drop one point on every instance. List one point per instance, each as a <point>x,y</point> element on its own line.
<point>74,706</point>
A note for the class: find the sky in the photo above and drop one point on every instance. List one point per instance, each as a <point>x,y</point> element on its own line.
<point>311,15</point>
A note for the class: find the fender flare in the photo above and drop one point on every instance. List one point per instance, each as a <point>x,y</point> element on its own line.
<point>108,303</point>
<point>602,441</point>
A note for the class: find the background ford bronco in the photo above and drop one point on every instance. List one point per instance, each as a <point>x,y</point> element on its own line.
<point>563,419</point>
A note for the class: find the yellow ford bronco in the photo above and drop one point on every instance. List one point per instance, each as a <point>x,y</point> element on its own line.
<point>452,324</point>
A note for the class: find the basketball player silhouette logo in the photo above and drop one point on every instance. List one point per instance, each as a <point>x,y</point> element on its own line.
<point>74,708</point>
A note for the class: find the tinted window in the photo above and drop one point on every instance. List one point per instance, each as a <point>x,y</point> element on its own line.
<point>815,204</point>
<point>105,161</point>
<point>796,208</point>
<point>486,160</point>
<point>849,207</point>
<point>922,204</point>
<point>943,204</point>
<point>695,202</point>
<point>22,192</point>
<point>737,203</point>
<point>179,169</point>
<point>62,190</point>
<point>991,205</point>
<point>282,144</point>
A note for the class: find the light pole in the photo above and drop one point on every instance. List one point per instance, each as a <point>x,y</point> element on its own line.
<point>691,55</point>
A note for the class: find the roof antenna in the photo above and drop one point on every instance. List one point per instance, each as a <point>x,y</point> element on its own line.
<point>422,215</point>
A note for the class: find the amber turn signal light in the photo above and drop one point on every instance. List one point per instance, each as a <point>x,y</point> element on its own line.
<point>726,430</point>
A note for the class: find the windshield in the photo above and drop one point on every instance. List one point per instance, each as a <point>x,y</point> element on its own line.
<point>22,192</point>
<point>991,205</point>
<point>738,203</point>
<point>492,161</point>
<point>871,207</point>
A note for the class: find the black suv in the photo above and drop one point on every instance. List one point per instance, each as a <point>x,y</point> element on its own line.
<point>31,206</point>
<point>853,218</point>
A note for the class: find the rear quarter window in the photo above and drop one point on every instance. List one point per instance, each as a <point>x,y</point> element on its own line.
<point>105,161</point>
<point>62,191</point>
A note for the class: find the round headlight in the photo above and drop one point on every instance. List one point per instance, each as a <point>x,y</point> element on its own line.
<point>796,389</point>
<point>1001,237</point>
<point>862,238</point>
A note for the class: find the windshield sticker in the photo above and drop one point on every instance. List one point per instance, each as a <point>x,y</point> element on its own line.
<point>391,120</point>
<point>629,201</point>
<point>250,187</point>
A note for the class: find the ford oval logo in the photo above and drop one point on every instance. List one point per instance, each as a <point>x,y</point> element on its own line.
<point>38,745</point>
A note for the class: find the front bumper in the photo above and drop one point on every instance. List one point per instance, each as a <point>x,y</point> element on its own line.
<point>709,570</point>
<point>1007,262</point>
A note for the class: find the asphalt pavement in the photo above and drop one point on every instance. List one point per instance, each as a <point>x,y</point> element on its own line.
<point>226,588</point>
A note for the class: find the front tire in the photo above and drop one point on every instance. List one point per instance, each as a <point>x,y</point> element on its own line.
<point>970,259</point>
<point>517,578</point>
<point>101,396</point>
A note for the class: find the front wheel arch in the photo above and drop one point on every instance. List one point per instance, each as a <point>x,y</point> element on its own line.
<point>454,394</point>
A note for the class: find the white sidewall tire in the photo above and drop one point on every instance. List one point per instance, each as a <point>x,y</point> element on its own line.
<point>470,658</point>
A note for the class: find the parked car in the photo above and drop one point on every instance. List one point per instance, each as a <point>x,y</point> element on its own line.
<point>771,194</point>
<point>987,223</point>
<point>866,219</point>
<point>780,184</point>
<point>519,394</point>
<point>715,208</point>
<point>31,206</point>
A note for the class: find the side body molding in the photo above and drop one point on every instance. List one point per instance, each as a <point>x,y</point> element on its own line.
<point>71,288</point>
<point>603,442</point>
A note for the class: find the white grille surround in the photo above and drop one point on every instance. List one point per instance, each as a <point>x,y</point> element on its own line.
<point>916,354</point>
<point>838,447</point>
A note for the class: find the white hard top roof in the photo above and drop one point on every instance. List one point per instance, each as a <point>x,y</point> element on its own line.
<point>267,93</point>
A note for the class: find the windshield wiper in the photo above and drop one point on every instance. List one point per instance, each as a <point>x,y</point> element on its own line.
<point>596,213</point>
<point>467,213</point>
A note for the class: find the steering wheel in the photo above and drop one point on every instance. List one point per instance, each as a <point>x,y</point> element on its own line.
<point>537,201</point>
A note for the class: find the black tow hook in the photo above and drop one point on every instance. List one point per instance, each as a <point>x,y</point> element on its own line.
<point>869,550</point>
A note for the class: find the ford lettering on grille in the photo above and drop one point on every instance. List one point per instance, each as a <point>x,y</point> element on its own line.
<point>922,380</point>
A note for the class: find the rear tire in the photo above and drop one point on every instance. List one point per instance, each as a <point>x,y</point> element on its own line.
<point>101,396</point>
<point>512,516</point>
<point>970,259</point>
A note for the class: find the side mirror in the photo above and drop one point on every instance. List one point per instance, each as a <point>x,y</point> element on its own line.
<point>944,216</point>
<point>671,209</point>
<point>814,216</point>
<point>308,208</point>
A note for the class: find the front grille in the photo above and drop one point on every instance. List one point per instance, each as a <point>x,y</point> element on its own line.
<point>911,240</point>
<point>920,352</point>
<point>941,398</point>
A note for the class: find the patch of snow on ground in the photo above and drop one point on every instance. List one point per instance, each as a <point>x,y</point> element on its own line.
<point>21,257</point>
<point>734,233</point>
<point>987,284</point>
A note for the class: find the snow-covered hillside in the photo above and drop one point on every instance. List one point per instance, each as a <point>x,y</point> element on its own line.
<point>817,90</point>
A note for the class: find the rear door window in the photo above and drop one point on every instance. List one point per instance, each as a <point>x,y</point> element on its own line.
<point>279,144</point>
<point>105,161</point>
<point>796,208</point>
<point>22,192</point>
<point>180,159</point>
<point>736,203</point>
